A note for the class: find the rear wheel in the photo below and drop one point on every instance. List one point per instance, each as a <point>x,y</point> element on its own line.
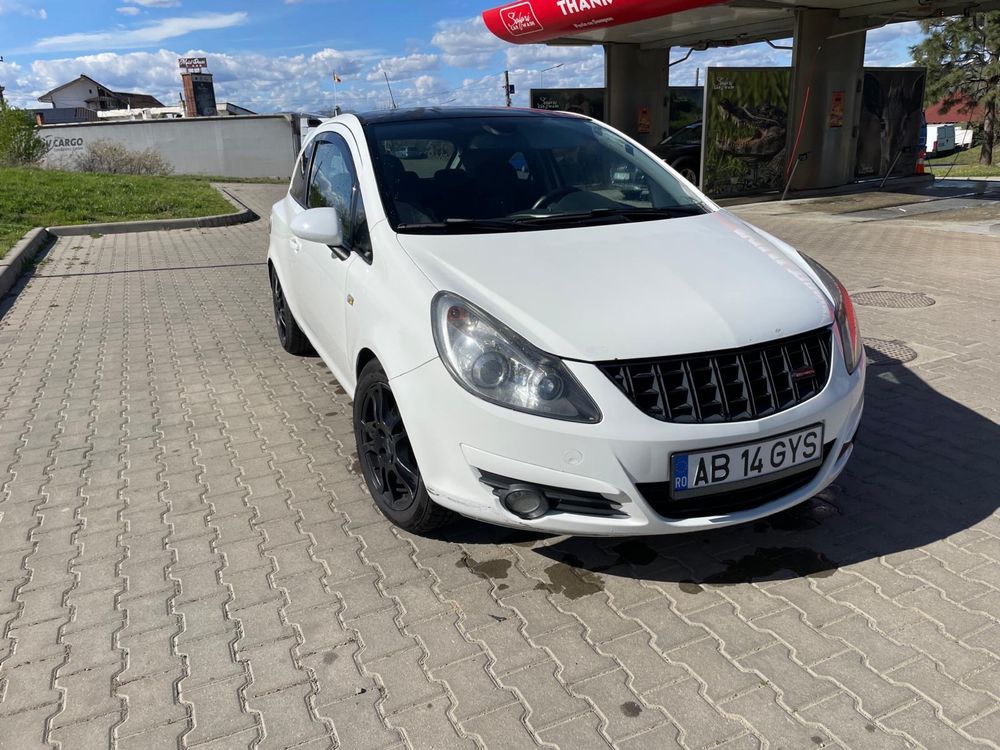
<point>386,456</point>
<point>290,336</point>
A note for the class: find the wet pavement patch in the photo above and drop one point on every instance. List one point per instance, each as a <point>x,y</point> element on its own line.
<point>490,569</point>
<point>631,709</point>
<point>572,582</point>
<point>766,561</point>
<point>887,352</point>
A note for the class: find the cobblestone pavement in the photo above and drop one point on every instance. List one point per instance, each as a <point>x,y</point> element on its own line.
<point>188,560</point>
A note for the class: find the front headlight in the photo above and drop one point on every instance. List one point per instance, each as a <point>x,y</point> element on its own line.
<point>492,362</point>
<point>847,321</point>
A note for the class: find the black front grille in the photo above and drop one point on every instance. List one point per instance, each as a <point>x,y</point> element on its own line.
<point>734,385</point>
<point>657,494</point>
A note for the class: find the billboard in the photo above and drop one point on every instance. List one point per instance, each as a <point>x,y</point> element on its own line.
<point>203,91</point>
<point>588,102</point>
<point>745,130</point>
<point>889,129</point>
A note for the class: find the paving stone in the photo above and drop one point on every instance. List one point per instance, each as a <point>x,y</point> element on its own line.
<point>187,504</point>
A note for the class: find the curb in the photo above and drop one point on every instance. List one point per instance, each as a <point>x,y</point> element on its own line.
<point>26,248</point>
<point>23,252</point>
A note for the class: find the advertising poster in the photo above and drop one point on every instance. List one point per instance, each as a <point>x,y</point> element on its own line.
<point>684,105</point>
<point>889,129</point>
<point>588,102</point>
<point>746,126</point>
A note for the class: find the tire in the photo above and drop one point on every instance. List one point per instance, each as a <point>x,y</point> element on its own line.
<point>688,170</point>
<point>290,336</point>
<point>386,457</point>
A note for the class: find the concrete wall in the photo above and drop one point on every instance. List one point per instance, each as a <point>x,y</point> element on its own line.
<point>254,146</point>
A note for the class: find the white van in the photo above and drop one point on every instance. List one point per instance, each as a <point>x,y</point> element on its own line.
<point>940,139</point>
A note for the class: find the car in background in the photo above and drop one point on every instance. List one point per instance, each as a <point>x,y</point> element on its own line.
<point>940,139</point>
<point>682,151</point>
<point>524,347</point>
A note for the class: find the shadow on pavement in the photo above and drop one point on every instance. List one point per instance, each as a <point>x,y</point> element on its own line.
<point>924,468</point>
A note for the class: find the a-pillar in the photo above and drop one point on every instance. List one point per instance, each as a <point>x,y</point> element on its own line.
<point>635,84</point>
<point>827,64</point>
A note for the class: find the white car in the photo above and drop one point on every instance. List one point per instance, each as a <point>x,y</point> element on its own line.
<point>527,346</point>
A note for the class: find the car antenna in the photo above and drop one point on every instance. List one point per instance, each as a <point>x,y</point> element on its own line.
<point>391,97</point>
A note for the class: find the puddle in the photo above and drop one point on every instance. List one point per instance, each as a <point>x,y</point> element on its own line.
<point>489,569</point>
<point>572,582</point>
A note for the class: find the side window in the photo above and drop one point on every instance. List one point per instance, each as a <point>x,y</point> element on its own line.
<point>361,241</point>
<point>300,176</point>
<point>332,182</point>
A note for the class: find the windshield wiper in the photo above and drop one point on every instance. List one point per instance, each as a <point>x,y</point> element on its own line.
<point>623,213</point>
<point>463,226</point>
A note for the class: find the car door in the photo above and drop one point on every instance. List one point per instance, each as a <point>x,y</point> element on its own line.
<point>322,270</point>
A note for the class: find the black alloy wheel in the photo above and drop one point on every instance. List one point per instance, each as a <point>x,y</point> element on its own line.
<point>386,456</point>
<point>290,336</point>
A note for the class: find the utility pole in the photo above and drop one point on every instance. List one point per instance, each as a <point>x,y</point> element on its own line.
<point>506,86</point>
<point>3,104</point>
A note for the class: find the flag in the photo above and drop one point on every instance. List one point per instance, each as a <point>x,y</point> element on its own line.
<point>336,78</point>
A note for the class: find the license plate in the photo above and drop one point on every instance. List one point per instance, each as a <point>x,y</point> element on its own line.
<point>745,464</point>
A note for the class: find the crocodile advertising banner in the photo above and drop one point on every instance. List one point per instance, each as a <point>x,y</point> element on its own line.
<point>889,129</point>
<point>746,123</point>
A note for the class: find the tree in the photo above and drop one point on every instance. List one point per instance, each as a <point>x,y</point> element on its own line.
<point>19,143</point>
<point>962,57</point>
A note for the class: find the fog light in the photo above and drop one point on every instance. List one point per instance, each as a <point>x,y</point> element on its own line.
<point>525,501</point>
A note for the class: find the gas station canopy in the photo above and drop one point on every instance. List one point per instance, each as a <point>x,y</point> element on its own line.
<point>653,24</point>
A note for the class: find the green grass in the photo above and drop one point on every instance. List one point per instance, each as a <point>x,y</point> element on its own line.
<point>44,198</point>
<point>966,164</point>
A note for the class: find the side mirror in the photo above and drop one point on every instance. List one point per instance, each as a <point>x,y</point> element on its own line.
<point>318,225</point>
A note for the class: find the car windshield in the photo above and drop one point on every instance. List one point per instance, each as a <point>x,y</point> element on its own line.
<point>511,173</point>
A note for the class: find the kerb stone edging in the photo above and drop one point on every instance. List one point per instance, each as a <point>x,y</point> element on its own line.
<point>26,248</point>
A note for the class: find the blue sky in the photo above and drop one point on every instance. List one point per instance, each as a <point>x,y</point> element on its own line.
<point>275,55</point>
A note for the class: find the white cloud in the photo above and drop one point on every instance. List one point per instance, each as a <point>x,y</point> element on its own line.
<point>399,68</point>
<point>128,10</point>
<point>260,82</point>
<point>142,36</point>
<point>466,43</point>
<point>24,9</point>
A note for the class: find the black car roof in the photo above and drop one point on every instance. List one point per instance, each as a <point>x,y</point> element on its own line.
<point>441,113</point>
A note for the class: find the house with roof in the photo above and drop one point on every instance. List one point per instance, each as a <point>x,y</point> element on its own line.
<point>81,99</point>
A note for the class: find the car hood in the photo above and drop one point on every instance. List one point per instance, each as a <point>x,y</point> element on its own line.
<point>634,290</point>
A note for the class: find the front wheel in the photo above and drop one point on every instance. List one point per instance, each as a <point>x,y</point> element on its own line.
<point>386,456</point>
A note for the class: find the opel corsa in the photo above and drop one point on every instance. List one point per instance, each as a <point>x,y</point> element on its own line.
<point>531,341</point>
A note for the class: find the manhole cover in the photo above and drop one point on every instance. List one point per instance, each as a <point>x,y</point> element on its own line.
<point>881,352</point>
<point>892,299</point>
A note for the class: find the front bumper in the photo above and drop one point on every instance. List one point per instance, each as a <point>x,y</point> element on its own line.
<point>458,438</point>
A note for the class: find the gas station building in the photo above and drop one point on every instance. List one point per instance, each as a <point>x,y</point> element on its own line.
<point>638,35</point>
